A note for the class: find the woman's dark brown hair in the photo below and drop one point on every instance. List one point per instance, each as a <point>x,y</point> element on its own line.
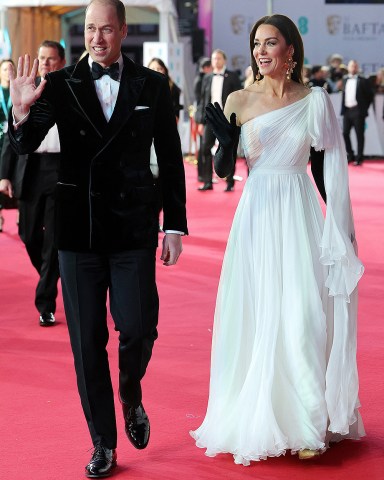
<point>164,67</point>
<point>292,37</point>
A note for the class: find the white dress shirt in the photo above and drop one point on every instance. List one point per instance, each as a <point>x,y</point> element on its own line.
<point>107,89</point>
<point>350,92</point>
<point>217,87</point>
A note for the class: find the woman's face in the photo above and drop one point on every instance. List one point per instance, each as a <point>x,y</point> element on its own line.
<point>271,51</point>
<point>4,72</point>
<point>157,67</point>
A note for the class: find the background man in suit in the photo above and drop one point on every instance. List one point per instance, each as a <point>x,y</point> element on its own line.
<point>35,179</point>
<point>215,88</point>
<point>205,67</point>
<point>357,97</point>
<point>108,111</point>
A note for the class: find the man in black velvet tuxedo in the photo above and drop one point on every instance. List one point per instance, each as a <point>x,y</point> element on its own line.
<point>357,97</point>
<point>215,87</point>
<point>108,111</point>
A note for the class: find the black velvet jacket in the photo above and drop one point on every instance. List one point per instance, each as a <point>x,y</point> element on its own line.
<point>106,197</point>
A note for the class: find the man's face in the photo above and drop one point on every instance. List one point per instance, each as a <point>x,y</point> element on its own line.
<point>49,60</point>
<point>217,61</point>
<point>103,34</point>
<point>4,71</point>
<point>353,67</point>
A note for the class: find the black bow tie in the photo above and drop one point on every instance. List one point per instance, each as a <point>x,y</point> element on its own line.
<point>218,74</point>
<point>98,71</point>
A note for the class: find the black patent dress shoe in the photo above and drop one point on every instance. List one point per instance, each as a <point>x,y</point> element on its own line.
<point>47,319</point>
<point>136,425</point>
<point>358,163</point>
<point>230,188</point>
<point>102,463</point>
<point>205,187</point>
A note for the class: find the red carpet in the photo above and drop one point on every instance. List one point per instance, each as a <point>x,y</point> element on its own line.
<point>43,433</point>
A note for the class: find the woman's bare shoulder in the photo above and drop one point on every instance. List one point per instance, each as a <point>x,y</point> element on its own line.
<point>242,101</point>
<point>236,102</point>
<point>235,98</point>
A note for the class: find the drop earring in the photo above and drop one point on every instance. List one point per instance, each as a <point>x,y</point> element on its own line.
<point>290,67</point>
<point>257,77</point>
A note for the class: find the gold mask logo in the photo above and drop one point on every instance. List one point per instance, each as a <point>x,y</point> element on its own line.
<point>334,24</point>
<point>237,24</point>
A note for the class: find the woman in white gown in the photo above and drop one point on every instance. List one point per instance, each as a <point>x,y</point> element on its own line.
<point>283,366</point>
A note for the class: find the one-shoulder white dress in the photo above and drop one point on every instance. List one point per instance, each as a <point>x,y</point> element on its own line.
<point>283,364</point>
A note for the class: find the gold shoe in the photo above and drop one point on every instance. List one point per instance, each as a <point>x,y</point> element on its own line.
<point>308,454</point>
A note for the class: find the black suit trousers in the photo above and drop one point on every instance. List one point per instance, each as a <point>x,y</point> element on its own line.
<point>354,118</point>
<point>86,279</point>
<point>36,227</point>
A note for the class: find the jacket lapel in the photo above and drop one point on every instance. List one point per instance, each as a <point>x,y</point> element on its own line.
<point>83,89</point>
<point>131,85</point>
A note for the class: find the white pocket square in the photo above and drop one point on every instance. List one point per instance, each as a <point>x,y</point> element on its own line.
<point>141,107</point>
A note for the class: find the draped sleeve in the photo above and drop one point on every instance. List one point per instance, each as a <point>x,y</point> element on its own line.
<point>339,255</point>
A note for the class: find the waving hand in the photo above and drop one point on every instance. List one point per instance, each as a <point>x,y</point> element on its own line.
<point>23,88</point>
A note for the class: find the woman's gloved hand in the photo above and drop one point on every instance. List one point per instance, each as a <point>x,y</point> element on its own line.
<point>227,133</point>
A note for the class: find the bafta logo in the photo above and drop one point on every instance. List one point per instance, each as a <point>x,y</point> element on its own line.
<point>334,24</point>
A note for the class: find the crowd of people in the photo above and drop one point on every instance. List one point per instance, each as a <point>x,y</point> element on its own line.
<point>287,298</point>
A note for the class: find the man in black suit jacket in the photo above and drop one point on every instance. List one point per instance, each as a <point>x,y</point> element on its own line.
<point>357,97</point>
<point>108,111</point>
<point>34,179</point>
<point>205,68</point>
<point>215,88</point>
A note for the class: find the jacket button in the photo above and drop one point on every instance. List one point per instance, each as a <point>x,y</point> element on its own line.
<point>82,133</point>
<point>134,133</point>
<point>122,195</point>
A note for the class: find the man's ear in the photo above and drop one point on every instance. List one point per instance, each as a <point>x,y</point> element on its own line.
<point>124,31</point>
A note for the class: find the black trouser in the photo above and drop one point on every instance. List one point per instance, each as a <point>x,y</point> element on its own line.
<point>208,141</point>
<point>129,277</point>
<point>354,118</point>
<point>36,226</point>
<point>200,158</point>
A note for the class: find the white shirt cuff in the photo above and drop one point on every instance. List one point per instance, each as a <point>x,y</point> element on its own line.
<point>174,231</point>
<point>16,125</point>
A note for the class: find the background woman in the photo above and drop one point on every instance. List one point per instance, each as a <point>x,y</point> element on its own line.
<point>159,66</point>
<point>283,371</point>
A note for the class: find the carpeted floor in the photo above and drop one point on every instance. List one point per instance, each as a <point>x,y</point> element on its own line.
<point>43,433</point>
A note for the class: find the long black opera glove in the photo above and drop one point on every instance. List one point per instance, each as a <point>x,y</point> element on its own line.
<point>227,133</point>
<point>317,167</point>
